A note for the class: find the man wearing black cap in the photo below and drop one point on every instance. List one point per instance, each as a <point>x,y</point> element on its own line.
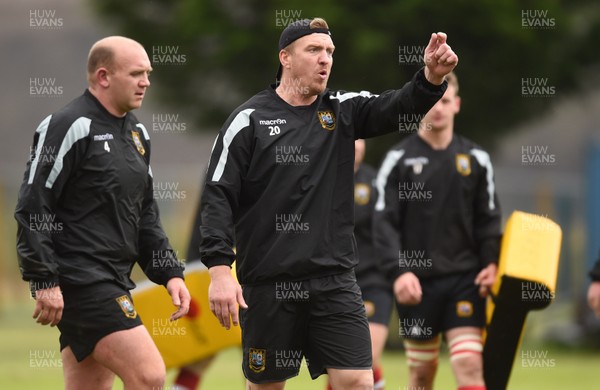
<point>279,188</point>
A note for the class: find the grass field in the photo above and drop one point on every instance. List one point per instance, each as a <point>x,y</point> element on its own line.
<point>29,359</point>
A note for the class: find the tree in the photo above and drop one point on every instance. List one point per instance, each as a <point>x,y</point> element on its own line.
<point>228,51</point>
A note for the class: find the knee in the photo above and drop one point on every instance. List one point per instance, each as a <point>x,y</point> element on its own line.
<point>423,374</point>
<point>358,380</point>
<point>151,377</point>
<point>470,368</point>
<point>364,382</point>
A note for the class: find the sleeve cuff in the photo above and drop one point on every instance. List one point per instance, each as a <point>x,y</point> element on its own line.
<point>162,277</point>
<point>397,273</point>
<point>489,251</point>
<point>42,284</point>
<point>217,261</point>
<point>422,81</point>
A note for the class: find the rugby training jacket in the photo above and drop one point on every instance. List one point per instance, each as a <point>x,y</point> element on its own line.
<point>437,211</point>
<point>279,185</point>
<point>86,211</point>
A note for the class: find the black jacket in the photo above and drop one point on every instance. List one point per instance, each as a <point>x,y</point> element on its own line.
<point>279,184</point>
<point>86,211</point>
<point>437,211</point>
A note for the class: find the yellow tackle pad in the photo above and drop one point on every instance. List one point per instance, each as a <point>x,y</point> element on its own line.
<point>526,280</point>
<point>530,250</point>
<point>193,337</point>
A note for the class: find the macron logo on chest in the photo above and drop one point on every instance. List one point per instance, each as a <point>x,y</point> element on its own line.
<point>103,137</point>
<point>273,125</point>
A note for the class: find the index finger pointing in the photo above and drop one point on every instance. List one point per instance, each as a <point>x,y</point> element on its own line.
<point>433,41</point>
<point>441,38</point>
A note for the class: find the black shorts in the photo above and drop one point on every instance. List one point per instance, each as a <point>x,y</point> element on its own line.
<point>320,319</point>
<point>92,312</point>
<point>448,302</point>
<point>378,304</point>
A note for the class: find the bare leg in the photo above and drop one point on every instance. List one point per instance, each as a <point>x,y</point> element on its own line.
<point>87,374</point>
<point>133,356</point>
<point>350,379</point>
<point>465,355</point>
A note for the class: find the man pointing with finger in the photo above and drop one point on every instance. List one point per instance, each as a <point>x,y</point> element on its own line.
<point>280,189</point>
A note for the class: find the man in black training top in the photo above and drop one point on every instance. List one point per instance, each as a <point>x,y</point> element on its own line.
<point>86,214</point>
<point>279,188</point>
<point>437,226</point>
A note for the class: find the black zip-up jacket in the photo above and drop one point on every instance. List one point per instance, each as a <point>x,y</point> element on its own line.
<point>86,211</point>
<point>279,184</point>
<point>437,211</point>
<point>369,272</point>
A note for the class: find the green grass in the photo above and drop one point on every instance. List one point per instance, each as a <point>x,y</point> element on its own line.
<point>22,340</point>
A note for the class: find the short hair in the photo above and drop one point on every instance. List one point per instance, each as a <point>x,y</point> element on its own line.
<point>100,55</point>
<point>318,23</point>
<point>314,23</point>
<point>452,80</point>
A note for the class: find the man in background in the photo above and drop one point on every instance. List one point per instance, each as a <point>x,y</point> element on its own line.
<point>86,215</point>
<point>437,227</point>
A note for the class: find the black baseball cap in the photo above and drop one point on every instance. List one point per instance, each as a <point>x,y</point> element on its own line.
<point>294,31</point>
